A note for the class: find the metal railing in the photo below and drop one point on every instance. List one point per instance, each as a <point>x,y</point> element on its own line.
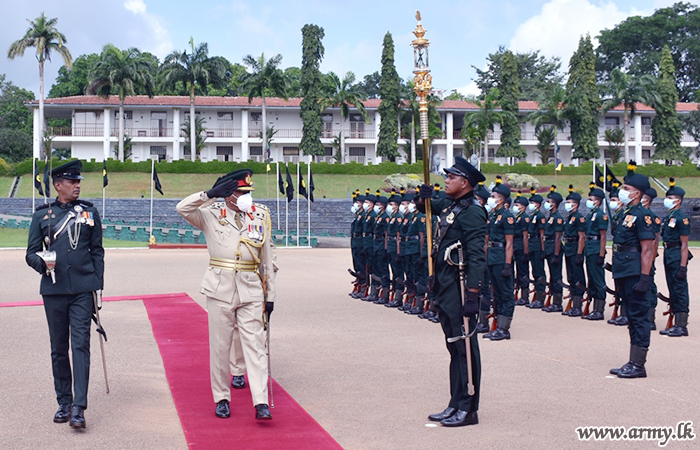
<point>223,132</point>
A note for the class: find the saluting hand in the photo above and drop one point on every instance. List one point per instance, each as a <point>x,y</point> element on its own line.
<point>222,190</point>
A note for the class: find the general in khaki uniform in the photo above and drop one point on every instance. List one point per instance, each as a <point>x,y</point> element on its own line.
<point>242,258</point>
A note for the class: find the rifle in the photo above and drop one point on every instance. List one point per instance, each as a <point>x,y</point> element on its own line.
<point>669,311</point>
<point>617,302</point>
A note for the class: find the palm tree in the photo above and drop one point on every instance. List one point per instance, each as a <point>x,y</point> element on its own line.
<point>550,114</point>
<point>485,119</point>
<point>627,90</point>
<point>121,71</point>
<point>195,69</point>
<point>472,140</point>
<point>340,93</point>
<point>614,138</point>
<point>266,138</point>
<point>410,114</point>
<point>199,131</point>
<point>43,35</point>
<point>265,80</point>
<point>546,136</point>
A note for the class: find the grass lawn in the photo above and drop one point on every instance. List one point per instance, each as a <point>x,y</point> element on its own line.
<point>18,238</point>
<point>5,183</point>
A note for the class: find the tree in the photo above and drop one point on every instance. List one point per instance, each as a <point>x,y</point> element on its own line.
<point>550,114</point>
<point>472,140</point>
<point>43,35</point>
<point>233,80</point>
<point>536,73</point>
<point>194,69</point>
<point>583,101</point>
<point>628,90</point>
<point>121,71</point>
<point>270,133</point>
<point>389,91</point>
<point>127,145</point>
<point>369,87</point>
<point>410,116</point>
<point>485,119</point>
<point>635,46</point>
<point>200,131</point>
<point>455,95</point>
<point>13,113</point>
<point>546,137</point>
<point>510,92</point>
<point>340,94</point>
<point>614,138</point>
<point>666,127</point>
<point>265,80</point>
<point>691,122</point>
<point>15,145</point>
<point>292,76</point>
<point>311,89</point>
<point>74,81</point>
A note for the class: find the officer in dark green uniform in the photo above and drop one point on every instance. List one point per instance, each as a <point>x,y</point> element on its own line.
<point>647,198</point>
<point>675,231</point>
<point>574,245</point>
<point>482,195</point>
<point>553,229</point>
<point>407,248</point>
<point>462,219</point>
<point>633,254</point>
<point>417,238</point>
<point>499,240</point>
<point>73,230</point>
<point>381,257</point>
<point>368,247</point>
<point>392,235</point>
<point>616,211</point>
<point>358,261</point>
<point>536,247</point>
<point>596,238</point>
<point>521,247</point>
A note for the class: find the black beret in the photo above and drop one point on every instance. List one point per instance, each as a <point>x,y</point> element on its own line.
<point>382,199</point>
<point>462,168</point>
<point>482,191</point>
<point>242,177</point>
<point>502,189</point>
<point>638,181</point>
<point>651,192</point>
<point>69,170</point>
<point>575,196</point>
<point>674,190</point>
<point>520,199</point>
<point>597,193</point>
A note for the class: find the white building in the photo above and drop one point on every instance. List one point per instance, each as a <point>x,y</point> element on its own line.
<point>233,128</point>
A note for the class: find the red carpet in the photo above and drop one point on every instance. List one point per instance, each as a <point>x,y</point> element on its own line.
<point>180,328</point>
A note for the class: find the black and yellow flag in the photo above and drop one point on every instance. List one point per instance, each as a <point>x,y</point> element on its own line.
<point>158,187</point>
<point>105,180</point>
<point>280,182</point>
<point>289,187</point>
<point>601,181</point>
<point>302,186</point>
<point>311,185</point>
<point>37,181</point>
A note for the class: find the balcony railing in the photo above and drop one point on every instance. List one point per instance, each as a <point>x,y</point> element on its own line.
<point>223,132</point>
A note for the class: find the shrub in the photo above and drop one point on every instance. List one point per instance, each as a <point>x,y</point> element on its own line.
<point>519,181</point>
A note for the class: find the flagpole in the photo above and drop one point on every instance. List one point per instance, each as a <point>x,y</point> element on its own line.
<point>34,174</point>
<point>298,195</point>
<point>605,180</point>
<point>153,165</point>
<point>103,201</point>
<point>308,201</point>
<point>278,196</point>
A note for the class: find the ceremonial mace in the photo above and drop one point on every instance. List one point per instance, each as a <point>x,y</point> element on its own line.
<point>422,86</point>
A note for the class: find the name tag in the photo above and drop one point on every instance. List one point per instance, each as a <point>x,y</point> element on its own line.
<point>672,223</point>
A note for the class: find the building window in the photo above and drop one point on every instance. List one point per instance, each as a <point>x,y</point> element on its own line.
<point>255,151</point>
<point>158,150</point>
<point>646,121</point>
<point>128,115</point>
<point>159,122</point>
<point>328,151</point>
<point>256,116</point>
<point>224,153</point>
<point>225,116</point>
<point>290,151</point>
<point>357,151</point>
<point>357,126</point>
<point>88,123</point>
<point>612,121</point>
<point>327,120</point>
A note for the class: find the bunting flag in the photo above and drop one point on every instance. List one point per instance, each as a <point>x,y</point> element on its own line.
<point>311,185</point>
<point>611,179</point>
<point>105,180</point>
<point>607,181</point>
<point>302,186</point>
<point>37,180</point>
<point>289,186</point>
<point>269,167</point>
<point>158,187</point>
<point>280,181</point>
<point>559,164</point>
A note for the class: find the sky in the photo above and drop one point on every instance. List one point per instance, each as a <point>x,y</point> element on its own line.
<point>461,33</point>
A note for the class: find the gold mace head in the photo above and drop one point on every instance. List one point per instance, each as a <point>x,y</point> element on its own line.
<point>419,32</point>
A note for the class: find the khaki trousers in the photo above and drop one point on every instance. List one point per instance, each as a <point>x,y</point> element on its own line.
<point>237,361</point>
<point>223,317</point>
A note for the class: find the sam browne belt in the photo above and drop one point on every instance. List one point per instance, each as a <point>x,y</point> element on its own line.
<point>230,264</point>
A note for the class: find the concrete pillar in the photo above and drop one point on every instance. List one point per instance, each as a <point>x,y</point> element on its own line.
<point>638,139</point>
<point>106,132</point>
<point>36,142</point>
<point>176,134</point>
<point>245,151</point>
<point>449,154</point>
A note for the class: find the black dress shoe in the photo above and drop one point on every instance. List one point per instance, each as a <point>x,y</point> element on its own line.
<point>393,304</point>
<point>415,311</point>
<point>77,419</point>
<point>621,321</point>
<point>63,414</point>
<point>521,302</point>
<point>222,409</point>
<point>446,414</point>
<point>553,308</point>
<point>595,315</point>
<point>498,334</point>
<point>632,370</point>
<point>536,304</point>
<point>676,331</point>
<point>238,382</point>
<point>460,419</point>
<point>616,371</point>
<point>482,328</point>
<point>262,412</point>
<point>575,312</point>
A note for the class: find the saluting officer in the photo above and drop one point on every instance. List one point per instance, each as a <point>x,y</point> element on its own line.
<point>499,240</point>
<point>240,279</point>
<point>675,230</point>
<point>553,229</point>
<point>72,229</point>
<point>536,247</point>
<point>647,198</point>
<point>462,219</point>
<point>358,260</point>
<point>596,238</point>
<point>616,209</point>
<point>521,247</point>
<point>482,195</point>
<point>392,246</point>
<point>633,254</point>
<point>574,245</point>
<point>368,246</point>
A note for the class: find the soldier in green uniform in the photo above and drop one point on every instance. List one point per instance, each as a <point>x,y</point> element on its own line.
<point>358,261</point>
<point>633,254</point>
<point>381,258</point>
<point>463,220</point>
<point>553,229</point>
<point>574,245</point>
<point>72,229</point>
<point>521,248</point>
<point>499,241</point>
<point>596,237</point>
<point>675,231</point>
<point>647,198</point>
<point>407,248</point>
<point>536,247</point>
<point>417,238</point>
<point>616,211</point>
<point>392,235</point>
<point>482,195</point>
<point>372,287</point>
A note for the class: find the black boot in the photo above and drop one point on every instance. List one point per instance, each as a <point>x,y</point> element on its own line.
<point>538,301</point>
<point>575,310</point>
<point>598,308</point>
<point>524,297</point>
<point>460,419</point>
<point>556,303</point>
<point>384,299</point>
<point>238,382</point>
<point>501,332</point>
<point>63,413</point>
<point>681,327</point>
<point>77,417</point>
<point>372,294</point>
<point>635,368</point>
<point>397,301</point>
<point>483,325</point>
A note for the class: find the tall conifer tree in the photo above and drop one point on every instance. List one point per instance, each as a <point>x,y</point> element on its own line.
<point>312,89</point>
<point>389,91</point>
<point>666,127</point>
<point>583,101</point>
<point>509,87</point>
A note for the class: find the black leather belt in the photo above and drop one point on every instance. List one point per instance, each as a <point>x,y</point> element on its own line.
<point>391,238</point>
<point>672,244</point>
<point>570,238</point>
<point>549,238</point>
<point>379,238</point>
<point>496,244</point>
<point>592,238</point>
<point>367,234</point>
<point>626,248</point>
<point>356,235</point>
<point>412,238</point>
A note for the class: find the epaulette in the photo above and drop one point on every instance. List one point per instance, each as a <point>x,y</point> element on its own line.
<point>261,206</point>
<point>45,205</point>
<point>84,202</point>
<point>217,205</point>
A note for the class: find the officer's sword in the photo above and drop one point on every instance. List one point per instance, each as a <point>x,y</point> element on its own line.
<point>97,300</point>
<point>266,322</point>
<point>466,335</point>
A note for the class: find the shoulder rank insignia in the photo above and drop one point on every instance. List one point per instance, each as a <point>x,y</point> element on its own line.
<point>422,219</point>
<point>511,221</point>
<point>657,221</point>
<point>647,219</point>
<point>605,217</point>
<point>686,221</point>
<point>544,220</point>
<point>583,219</point>
<point>527,220</point>
<point>560,221</point>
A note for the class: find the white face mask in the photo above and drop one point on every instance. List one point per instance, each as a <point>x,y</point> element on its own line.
<point>531,207</point>
<point>365,206</point>
<point>547,206</point>
<point>411,207</point>
<point>624,197</point>
<point>244,202</point>
<point>492,202</point>
<point>354,209</point>
<point>669,203</point>
<point>568,207</point>
<point>402,209</point>
<point>377,209</point>
<point>614,204</point>
<point>590,204</point>
<point>488,207</point>
<point>390,209</point>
